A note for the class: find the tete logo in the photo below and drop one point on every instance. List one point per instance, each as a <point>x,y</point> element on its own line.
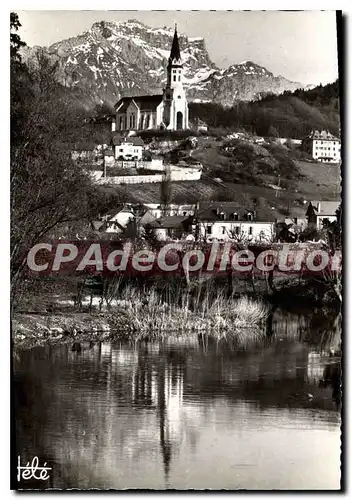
<point>32,470</point>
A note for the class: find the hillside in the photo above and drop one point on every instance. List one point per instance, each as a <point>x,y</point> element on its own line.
<point>117,58</point>
<point>291,114</point>
<point>274,177</point>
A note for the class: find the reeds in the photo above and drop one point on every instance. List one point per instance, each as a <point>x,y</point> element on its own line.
<point>158,312</point>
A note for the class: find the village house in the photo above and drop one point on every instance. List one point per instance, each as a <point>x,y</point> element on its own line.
<point>230,221</point>
<point>129,220</point>
<point>174,227</point>
<point>105,122</point>
<point>114,222</point>
<point>319,213</point>
<point>128,148</point>
<point>167,110</point>
<point>87,152</point>
<point>323,146</point>
<point>173,209</point>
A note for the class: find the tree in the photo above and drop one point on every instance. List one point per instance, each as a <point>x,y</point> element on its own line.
<point>15,40</point>
<point>166,191</point>
<point>150,236</point>
<point>103,109</point>
<point>272,132</point>
<point>334,230</point>
<point>47,188</point>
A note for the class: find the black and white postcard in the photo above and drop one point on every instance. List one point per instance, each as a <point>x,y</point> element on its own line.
<point>176,250</point>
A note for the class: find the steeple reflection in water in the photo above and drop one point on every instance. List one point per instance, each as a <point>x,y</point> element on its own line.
<point>158,383</point>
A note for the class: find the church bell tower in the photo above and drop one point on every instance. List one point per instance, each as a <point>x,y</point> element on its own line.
<point>175,101</point>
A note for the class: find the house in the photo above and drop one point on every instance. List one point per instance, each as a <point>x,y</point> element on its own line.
<point>118,222</point>
<point>85,151</point>
<point>115,222</point>
<point>105,122</point>
<point>173,227</point>
<point>158,211</point>
<point>167,110</point>
<point>323,146</point>
<point>128,148</point>
<point>232,222</point>
<point>320,212</point>
<point>139,224</point>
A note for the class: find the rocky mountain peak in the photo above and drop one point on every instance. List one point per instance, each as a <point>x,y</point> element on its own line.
<point>113,58</point>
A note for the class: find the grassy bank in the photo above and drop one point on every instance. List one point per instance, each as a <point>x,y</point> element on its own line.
<point>151,313</point>
<point>155,308</point>
<point>219,316</point>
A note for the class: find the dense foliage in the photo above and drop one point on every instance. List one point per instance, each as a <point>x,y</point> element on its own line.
<point>291,114</point>
<point>48,190</point>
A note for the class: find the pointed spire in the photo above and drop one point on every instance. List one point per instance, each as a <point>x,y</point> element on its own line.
<point>175,48</point>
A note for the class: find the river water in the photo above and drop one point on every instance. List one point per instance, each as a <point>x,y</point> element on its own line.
<point>187,413</point>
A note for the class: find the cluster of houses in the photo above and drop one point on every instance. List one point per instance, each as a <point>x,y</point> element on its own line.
<point>207,221</point>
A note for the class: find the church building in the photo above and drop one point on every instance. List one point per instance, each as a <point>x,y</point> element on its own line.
<point>168,110</point>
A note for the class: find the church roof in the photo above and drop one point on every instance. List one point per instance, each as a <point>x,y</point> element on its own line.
<point>175,54</point>
<point>144,102</point>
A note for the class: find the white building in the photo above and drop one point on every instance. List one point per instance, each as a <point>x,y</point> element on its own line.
<point>128,149</point>
<point>158,211</point>
<point>230,222</point>
<point>323,146</point>
<point>168,110</point>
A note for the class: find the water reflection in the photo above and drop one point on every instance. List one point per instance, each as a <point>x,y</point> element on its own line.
<point>192,415</point>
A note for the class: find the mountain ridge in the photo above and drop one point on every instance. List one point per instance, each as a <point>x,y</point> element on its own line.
<point>114,59</point>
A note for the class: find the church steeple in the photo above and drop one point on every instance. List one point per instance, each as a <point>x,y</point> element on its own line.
<point>175,113</point>
<point>175,54</point>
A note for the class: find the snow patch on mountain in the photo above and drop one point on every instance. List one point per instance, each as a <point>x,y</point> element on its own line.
<point>112,57</point>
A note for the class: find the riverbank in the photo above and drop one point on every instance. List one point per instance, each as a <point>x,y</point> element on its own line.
<point>137,320</point>
<point>131,310</point>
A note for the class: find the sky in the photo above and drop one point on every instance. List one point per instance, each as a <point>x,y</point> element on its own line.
<point>301,46</point>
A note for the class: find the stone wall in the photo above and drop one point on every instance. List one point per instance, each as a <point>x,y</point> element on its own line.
<point>176,174</point>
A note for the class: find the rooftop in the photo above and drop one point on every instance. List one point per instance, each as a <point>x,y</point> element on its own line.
<point>323,135</point>
<point>227,211</point>
<point>170,221</point>
<point>325,207</point>
<point>118,139</point>
<point>175,54</point>
<point>144,102</point>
